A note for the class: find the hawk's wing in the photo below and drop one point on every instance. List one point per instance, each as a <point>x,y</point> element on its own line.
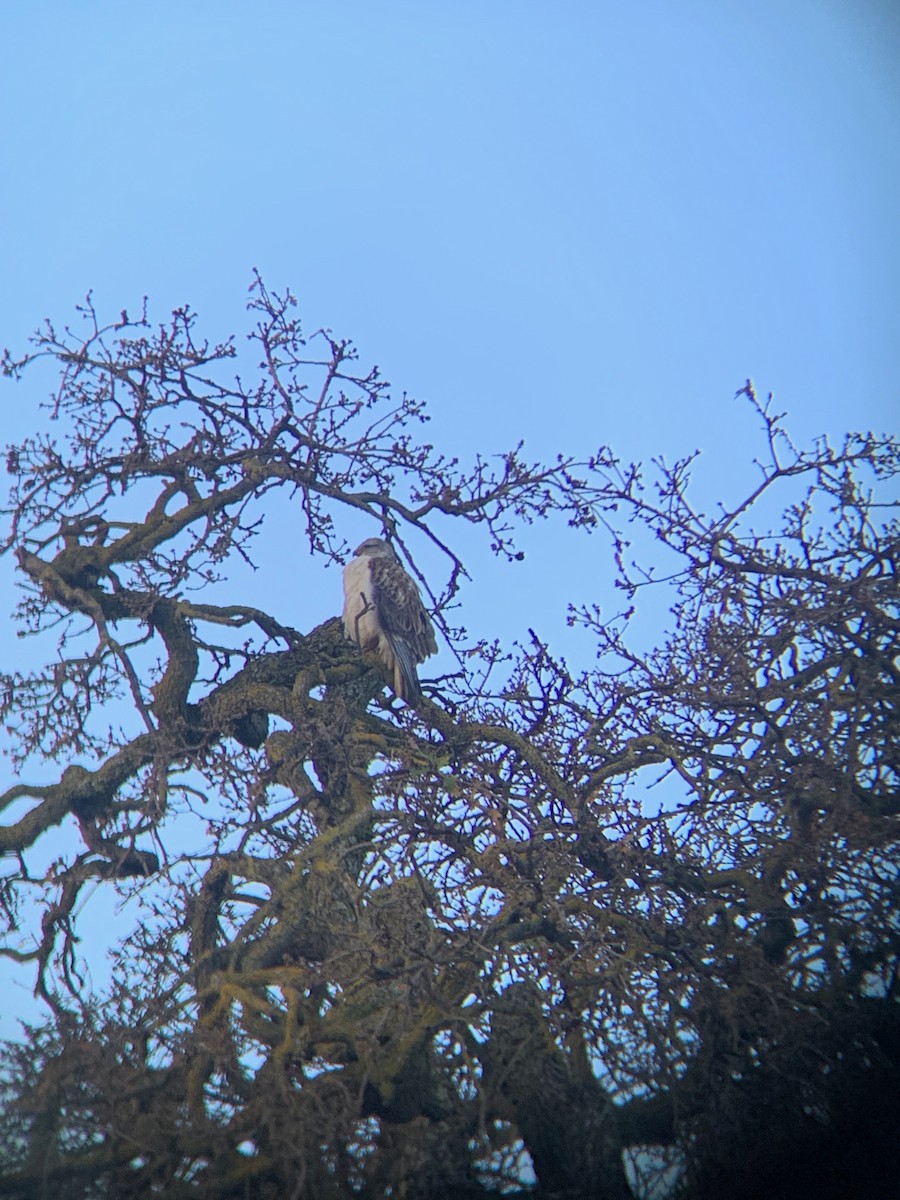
<point>402,616</point>
<point>400,608</point>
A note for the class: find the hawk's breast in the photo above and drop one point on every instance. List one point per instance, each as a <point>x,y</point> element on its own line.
<point>360,626</point>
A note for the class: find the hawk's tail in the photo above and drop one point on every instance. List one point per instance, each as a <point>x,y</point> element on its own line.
<point>406,680</point>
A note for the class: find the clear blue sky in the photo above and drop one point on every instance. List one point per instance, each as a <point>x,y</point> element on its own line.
<point>577,223</point>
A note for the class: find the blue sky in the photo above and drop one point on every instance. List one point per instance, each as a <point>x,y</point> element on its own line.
<point>573,223</point>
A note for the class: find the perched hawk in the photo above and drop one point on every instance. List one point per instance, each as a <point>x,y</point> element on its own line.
<point>383,612</point>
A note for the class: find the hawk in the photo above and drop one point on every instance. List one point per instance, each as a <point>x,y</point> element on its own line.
<point>383,612</point>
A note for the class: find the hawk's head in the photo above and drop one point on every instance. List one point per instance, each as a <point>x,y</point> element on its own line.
<point>374,546</point>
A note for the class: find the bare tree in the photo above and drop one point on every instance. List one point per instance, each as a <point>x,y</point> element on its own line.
<point>460,947</point>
